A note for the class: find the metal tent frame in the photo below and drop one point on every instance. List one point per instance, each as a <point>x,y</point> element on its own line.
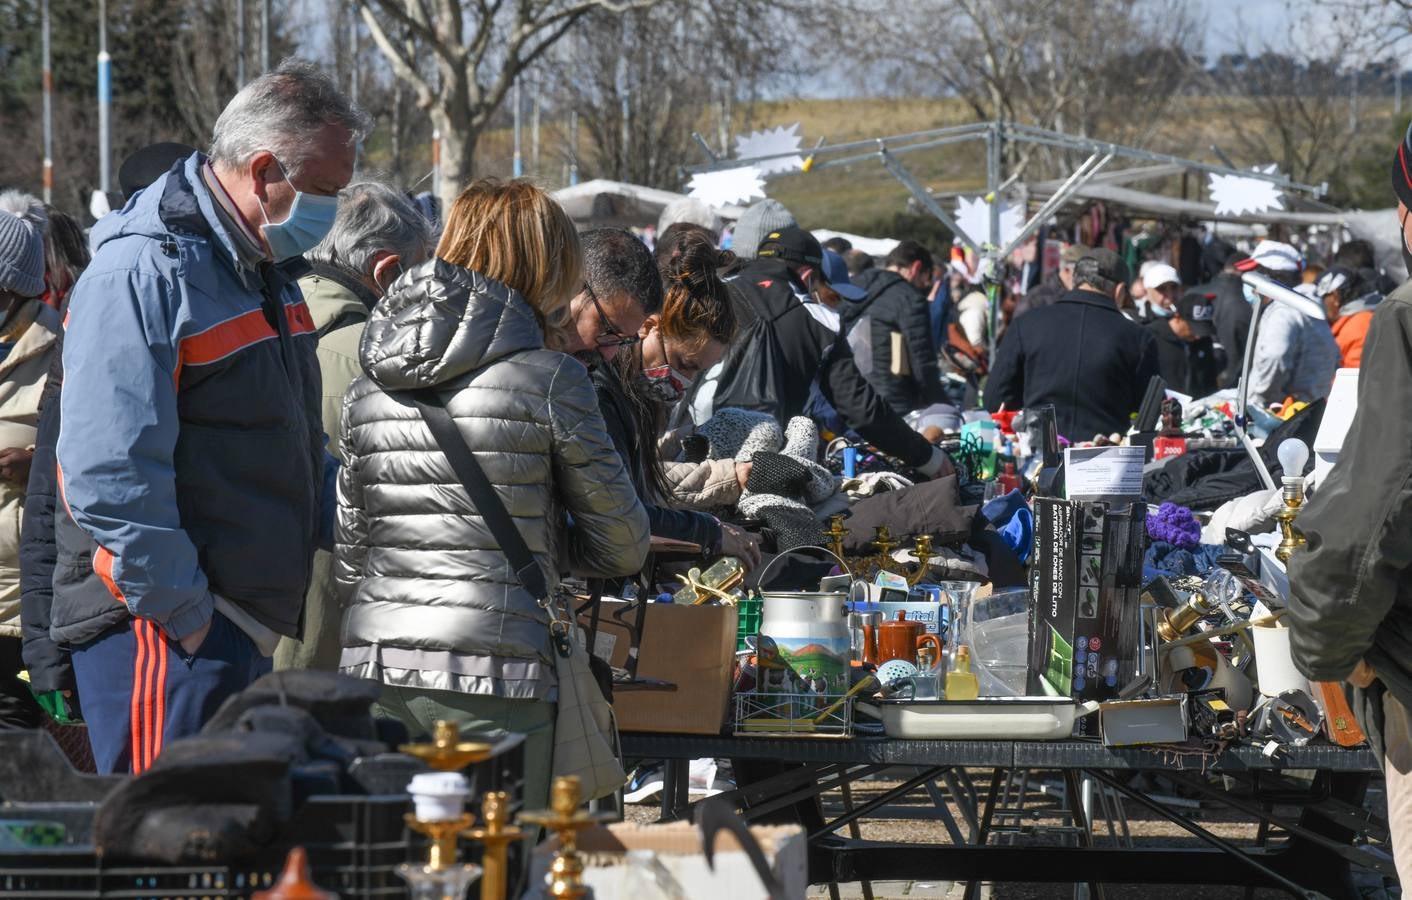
<point>995,133</point>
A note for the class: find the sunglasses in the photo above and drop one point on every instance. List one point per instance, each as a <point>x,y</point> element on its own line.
<point>611,336</point>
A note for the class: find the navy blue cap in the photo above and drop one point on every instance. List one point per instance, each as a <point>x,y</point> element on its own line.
<point>836,274</point>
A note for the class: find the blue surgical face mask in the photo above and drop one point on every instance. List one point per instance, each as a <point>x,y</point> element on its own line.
<point>310,219</point>
<point>1250,296</point>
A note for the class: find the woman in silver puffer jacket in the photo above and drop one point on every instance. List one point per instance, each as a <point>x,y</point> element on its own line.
<point>432,608</point>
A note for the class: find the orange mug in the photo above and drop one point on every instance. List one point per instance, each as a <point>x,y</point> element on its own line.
<point>900,639</point>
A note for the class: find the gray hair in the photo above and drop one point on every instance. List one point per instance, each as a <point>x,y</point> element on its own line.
<point>373,218</point>
<point>281,112</point>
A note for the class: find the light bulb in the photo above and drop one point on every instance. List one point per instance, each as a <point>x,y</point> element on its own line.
<point>1293,454</point>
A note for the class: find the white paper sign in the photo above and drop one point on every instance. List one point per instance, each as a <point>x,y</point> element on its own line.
<point>1092,473</point>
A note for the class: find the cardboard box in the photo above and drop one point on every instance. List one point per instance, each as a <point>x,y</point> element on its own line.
<point>676,847</point>
<point>691,646</point>
<point>931,611</point>
<point>1085,612</point>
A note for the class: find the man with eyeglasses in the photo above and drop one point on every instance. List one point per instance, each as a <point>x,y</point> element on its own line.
<point>621,289</point>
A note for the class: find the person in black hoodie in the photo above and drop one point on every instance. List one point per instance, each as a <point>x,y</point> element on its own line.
<point>783,350</point>
<point>1232,316</point>
<point>904,354</point>
<point>687,336</point>
<point>1080,354</point>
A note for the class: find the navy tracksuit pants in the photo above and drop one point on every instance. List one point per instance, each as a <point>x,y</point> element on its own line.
<point>141,690</point>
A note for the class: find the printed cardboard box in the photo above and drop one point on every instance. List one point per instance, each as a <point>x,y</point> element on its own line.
<point>1085,613</point>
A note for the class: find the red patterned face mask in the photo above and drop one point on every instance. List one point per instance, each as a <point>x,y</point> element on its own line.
<point>665,383</point>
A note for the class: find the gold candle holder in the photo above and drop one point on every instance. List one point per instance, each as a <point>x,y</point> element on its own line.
<point>882,539</point>
<point>924,559</point>
<point>566,820</point>
<point>1291,538</point>
<point>443,835</point>
<point>835,534</point>
<point>495,836</point>
<point>447,752</point>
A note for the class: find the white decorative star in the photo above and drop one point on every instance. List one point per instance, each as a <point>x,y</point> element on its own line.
<point>769,143</point>
<point>1234,195</point>
<point>973,215</point>
<point>727,187</point>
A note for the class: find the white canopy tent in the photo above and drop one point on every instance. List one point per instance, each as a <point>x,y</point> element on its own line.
<point>600,203</point>
<point>879,247</point>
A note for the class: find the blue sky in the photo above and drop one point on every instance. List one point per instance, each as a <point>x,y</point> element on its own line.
<point>1269,19</point>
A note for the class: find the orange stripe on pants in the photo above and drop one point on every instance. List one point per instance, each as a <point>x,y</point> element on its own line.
<point>135,713</point>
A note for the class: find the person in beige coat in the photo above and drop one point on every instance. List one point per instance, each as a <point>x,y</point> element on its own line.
<point>376,237</point>
<point>28,332</point>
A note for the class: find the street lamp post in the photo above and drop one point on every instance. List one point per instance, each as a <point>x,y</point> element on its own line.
<point>105,99</point>
<point>48,87</point>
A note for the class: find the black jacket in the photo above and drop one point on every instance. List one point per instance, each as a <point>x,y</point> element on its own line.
<point>783,349</point>
<point>678,524</point>
<point>1080,354</point>
<point>48,663</point>
<point>1186,366</point>
<point>1350,590</point>
<point>893,305</point>
<point>1232,319</point>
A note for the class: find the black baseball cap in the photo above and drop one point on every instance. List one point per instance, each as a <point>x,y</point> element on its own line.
<point>148,164</point>
<point>1198,308</point>
<point>792,244</point>
<point>1110,265</point>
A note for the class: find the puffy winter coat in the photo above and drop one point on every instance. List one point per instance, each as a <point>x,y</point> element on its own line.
<point>23,373</point>
<point>430,599</point>
<point>895,307</point>
<point>191,456</point>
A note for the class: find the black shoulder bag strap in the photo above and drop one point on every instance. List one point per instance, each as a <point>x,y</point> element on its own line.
<point>481,491</point>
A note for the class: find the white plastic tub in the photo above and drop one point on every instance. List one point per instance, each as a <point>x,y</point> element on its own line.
<point>989,718</point>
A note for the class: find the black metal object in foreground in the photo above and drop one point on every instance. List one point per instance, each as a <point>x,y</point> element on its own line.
<point>783,780</point>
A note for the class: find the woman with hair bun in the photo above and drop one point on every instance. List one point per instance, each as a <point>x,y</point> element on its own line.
<point>690,335</point>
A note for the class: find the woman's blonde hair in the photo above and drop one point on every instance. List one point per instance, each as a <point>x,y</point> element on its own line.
<point>514,233</point>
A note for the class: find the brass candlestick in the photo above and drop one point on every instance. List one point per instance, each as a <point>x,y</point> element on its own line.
<point>1293,455</point>
<point>566,820</point>
<point>1176,622</point>
<point>924,559</point>
<point>1292,539</point>
<point>882,539</point>
<point>835,534</point>
<point>447,752</point>
<point>496,836</point>
<point>442,853</point>
<point>443,875</point>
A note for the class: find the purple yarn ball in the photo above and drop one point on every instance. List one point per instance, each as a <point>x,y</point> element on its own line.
<point>1176,525</point>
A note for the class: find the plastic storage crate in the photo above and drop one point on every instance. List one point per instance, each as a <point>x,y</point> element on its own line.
<point>749,623</point>
<point>354,844</point>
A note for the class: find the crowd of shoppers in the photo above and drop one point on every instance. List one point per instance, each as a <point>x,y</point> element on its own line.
<point>214,459</point>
